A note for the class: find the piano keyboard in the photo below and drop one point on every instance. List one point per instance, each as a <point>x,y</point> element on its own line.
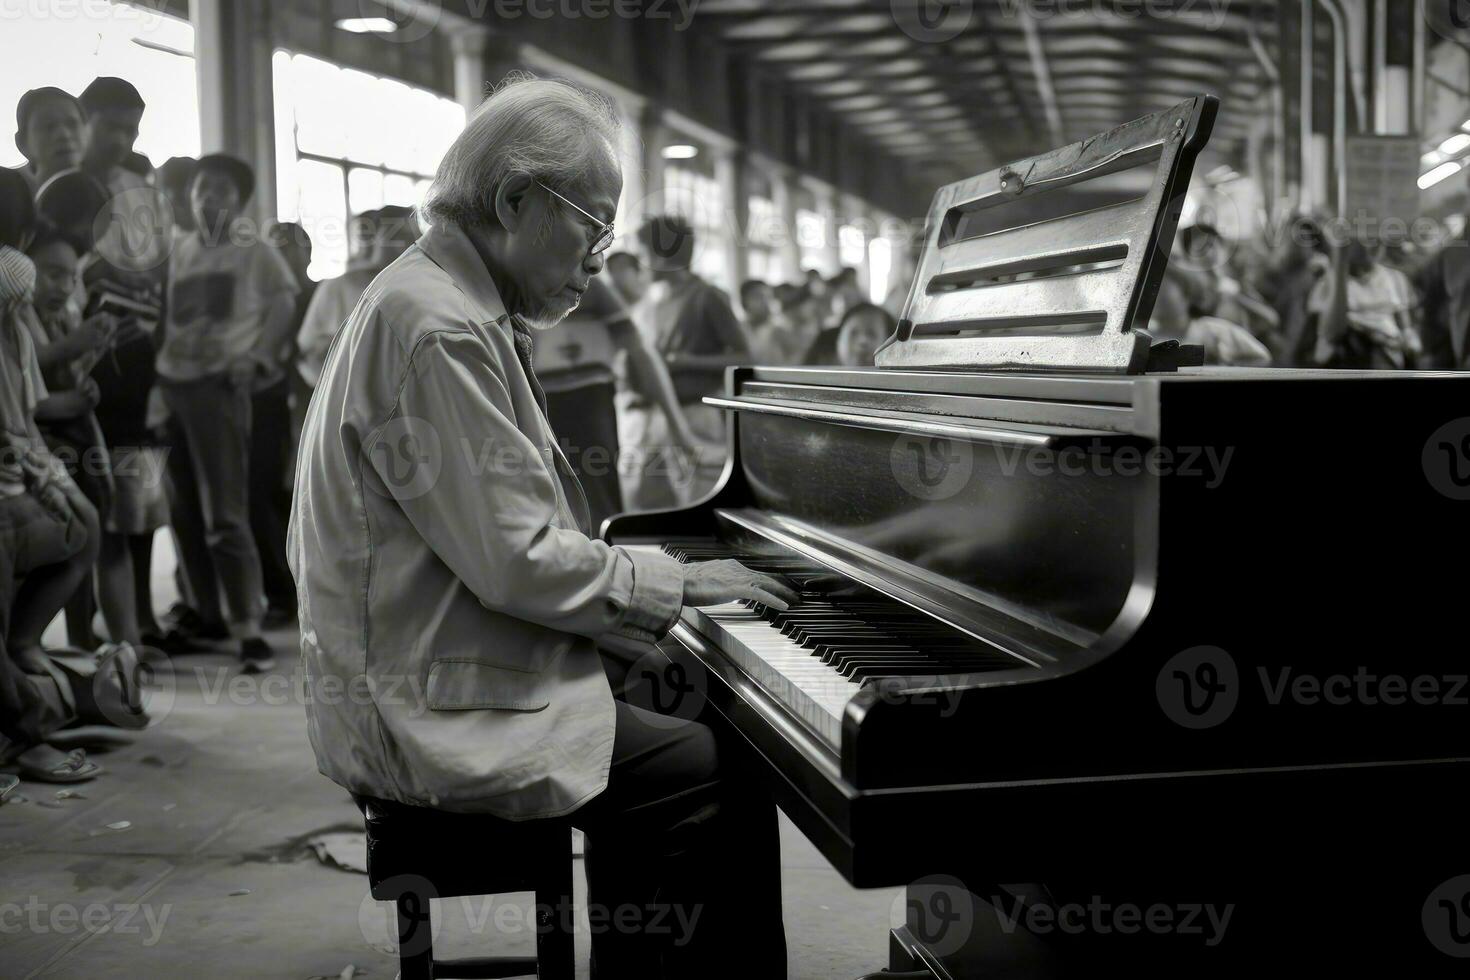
<point>815,656</point>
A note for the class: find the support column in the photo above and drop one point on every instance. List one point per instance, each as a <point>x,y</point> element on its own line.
<point>1393,62</point>
<point>788,255</point>
<point>469,68</point>
<point>831,255</point>
<point>647,162</point>
<point>207,16</point>
<point>733,214</point>
<point>233,72</point>
<point>635,178</point>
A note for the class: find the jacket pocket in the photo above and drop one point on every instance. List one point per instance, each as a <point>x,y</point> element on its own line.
<point>463,685</point>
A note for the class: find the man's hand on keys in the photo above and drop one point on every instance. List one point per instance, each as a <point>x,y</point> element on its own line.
<point>712,583</point>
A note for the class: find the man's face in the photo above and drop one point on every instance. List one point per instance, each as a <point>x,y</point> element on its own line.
<point>52,140</point>
<point>547,255</point>
<point>215,200</point>
<point>111,134</point>
<point>56,276</point>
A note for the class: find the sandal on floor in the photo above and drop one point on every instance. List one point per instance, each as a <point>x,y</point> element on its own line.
<point>75,768</point>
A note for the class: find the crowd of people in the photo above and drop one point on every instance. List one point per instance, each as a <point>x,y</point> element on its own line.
<point>159,351</point>
<point>1311,297</point>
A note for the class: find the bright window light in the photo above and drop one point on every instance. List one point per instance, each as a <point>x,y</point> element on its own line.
<point>349,141</point>
<point>1455,144</point>
<point>148,48</point>
<point>680,151</point>
<point>366,25</point>
<point>1438,174</point>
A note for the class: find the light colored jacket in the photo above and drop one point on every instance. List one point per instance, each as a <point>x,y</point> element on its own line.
<point>448,589</point>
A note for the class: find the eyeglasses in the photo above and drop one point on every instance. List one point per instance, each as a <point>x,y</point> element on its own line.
<point>604,237</point>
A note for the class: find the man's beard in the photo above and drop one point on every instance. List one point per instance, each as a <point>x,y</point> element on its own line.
<point>546,316</point>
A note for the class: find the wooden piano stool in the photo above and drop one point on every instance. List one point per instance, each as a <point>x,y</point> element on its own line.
<point>416,854</point>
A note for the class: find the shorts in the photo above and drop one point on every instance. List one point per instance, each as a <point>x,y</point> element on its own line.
<point>139,497</point>
<point>32,536</point>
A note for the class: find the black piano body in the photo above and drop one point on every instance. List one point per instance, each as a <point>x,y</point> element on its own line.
<point>1081,617</point>
<point>1223,601</point>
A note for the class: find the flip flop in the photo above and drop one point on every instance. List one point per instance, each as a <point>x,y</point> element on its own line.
<point>7,784</point>
<point>93,738</point>
<point>75,768</point>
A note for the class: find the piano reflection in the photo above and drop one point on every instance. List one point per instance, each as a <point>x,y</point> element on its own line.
<point>1087,624</point>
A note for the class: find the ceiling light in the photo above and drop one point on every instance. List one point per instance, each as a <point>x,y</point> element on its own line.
<point>680,151</point>
<point>366,25</point>
<point>1455,144</point>
<point>1438,174</point>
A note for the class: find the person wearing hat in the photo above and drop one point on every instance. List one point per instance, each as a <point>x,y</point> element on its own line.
<point>231,302</point>
<point>48,133</point>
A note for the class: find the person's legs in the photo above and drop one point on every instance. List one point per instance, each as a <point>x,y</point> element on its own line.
<point>216,423</point>
<point>186,516</point>
<point>685,838</point>
<point>55,558</point>
<point>115,589</point>
<point>140,547</point>
<point>270,436</point>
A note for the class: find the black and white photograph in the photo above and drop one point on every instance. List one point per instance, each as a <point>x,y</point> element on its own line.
<point>734,489</point>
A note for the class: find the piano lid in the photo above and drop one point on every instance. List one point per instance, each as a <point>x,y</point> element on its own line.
<point>1047,263</point>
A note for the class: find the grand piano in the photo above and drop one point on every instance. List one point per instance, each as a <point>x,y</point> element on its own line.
<point>1086,623</point>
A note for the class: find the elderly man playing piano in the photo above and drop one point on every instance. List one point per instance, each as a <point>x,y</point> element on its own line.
<point>443,562</point>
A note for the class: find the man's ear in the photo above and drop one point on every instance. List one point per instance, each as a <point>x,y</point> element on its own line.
<point>510,201</point>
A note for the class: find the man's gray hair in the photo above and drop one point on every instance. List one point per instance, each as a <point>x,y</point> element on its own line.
<point>545,129</point>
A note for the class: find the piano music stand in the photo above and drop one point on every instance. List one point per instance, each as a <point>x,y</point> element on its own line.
<point>1013,276</point>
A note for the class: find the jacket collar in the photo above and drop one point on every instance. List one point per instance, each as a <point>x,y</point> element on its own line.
<point>447,245</point>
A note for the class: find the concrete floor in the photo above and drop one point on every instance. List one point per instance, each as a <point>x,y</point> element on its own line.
<point>210,877</point>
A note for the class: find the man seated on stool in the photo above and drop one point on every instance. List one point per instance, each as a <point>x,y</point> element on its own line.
<point>449,587</point>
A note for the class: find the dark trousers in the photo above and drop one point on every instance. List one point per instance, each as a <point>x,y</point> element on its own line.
<point>270,442</point>
<point>683,859</point>
<point>685,833</point>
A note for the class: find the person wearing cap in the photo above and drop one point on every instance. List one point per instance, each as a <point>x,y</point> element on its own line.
<point>231,300</point>
<point>48,133</point>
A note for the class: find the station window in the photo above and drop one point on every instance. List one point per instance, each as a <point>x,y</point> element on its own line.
<point>347,142</point>
<point>851,248</point>
<point>76,43</point>
<point>880,267</point>
<point>763,240</point>
<point>809,239</point>
<point>695,197</point>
